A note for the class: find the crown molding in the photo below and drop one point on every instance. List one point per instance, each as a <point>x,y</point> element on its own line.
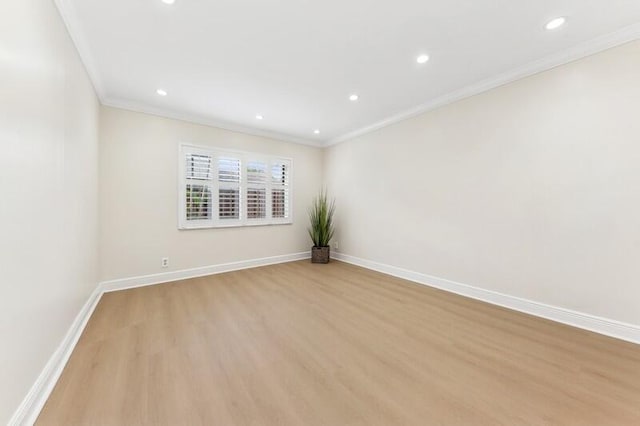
<point>211,122</point>
<point>591,47</point>
<point>72,23</point>
<point>582,50</point>
<point>70,19</point>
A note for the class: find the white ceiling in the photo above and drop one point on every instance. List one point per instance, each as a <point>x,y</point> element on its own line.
<point>296,61</point>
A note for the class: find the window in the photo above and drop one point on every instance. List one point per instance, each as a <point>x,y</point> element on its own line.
<point>221,188</point>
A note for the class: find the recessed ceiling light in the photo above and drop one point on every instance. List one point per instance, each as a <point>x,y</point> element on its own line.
<point>556,23</point>
<point>422,59</point>
<point>316,131</point>
<point>161,92</point>
<point>353,97</point>
<point>168,1</point>
<point>259,117</point>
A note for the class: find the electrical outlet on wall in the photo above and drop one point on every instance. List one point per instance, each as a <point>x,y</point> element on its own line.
<point>335,245</point>
<point>165,262</point>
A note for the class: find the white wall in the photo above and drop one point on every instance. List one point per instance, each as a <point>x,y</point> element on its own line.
<point>138,197</point>
<point>48,189</point>
<point>531,189</point>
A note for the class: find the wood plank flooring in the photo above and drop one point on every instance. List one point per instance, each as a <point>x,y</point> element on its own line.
<point>305,344</point>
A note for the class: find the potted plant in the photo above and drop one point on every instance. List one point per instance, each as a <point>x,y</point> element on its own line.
<point>321,228</point>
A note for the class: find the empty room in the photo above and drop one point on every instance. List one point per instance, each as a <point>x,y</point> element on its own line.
<point>299,212</point>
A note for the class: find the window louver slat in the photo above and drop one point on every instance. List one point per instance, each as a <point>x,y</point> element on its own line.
<point>256,203</point>
<point>279,173</point>
<point>280,191</point>
<point>198,202</point>
<point>229,170</point>
<point>257,190</point>
<point>198,167</point>
<point>256,172</point>
<point>229,204</point>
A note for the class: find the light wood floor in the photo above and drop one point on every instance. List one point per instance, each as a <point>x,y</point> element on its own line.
<point>304,344</point>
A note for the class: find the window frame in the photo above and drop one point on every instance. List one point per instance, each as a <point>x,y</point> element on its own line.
<point>245,158</point>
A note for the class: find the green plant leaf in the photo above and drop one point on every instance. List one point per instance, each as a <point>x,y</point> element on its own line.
<point>321,213</point>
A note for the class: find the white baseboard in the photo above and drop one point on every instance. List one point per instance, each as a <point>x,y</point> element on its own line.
<point>28,411</point>
<point>144,280</point>
<point>608,327</point>
<point>30,408</point>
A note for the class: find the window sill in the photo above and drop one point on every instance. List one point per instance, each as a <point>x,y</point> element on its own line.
<point>234,225</point>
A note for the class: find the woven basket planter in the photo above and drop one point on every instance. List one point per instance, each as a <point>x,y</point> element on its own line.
<point>320,254</point>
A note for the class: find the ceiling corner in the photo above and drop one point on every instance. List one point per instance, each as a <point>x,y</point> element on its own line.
<point>71,22</point>
<point>579,51</point>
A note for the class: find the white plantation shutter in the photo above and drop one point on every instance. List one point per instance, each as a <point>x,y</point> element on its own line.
<point>280,197</point>
<point>229,179</point>
<point>256,189</point>
<point>197,188</point>
<point>220,188</point>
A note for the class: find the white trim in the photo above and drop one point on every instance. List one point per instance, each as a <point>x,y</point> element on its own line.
<point>70,19</point>
<point>72,23</point>
<point>211,122</point>
<point>214,184</point>
<point>32,404</point>
<point>145,280</point>
<point>608,327</point>
<point>587,48</point>
<point>579,51</point>
<point>34,401</point>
